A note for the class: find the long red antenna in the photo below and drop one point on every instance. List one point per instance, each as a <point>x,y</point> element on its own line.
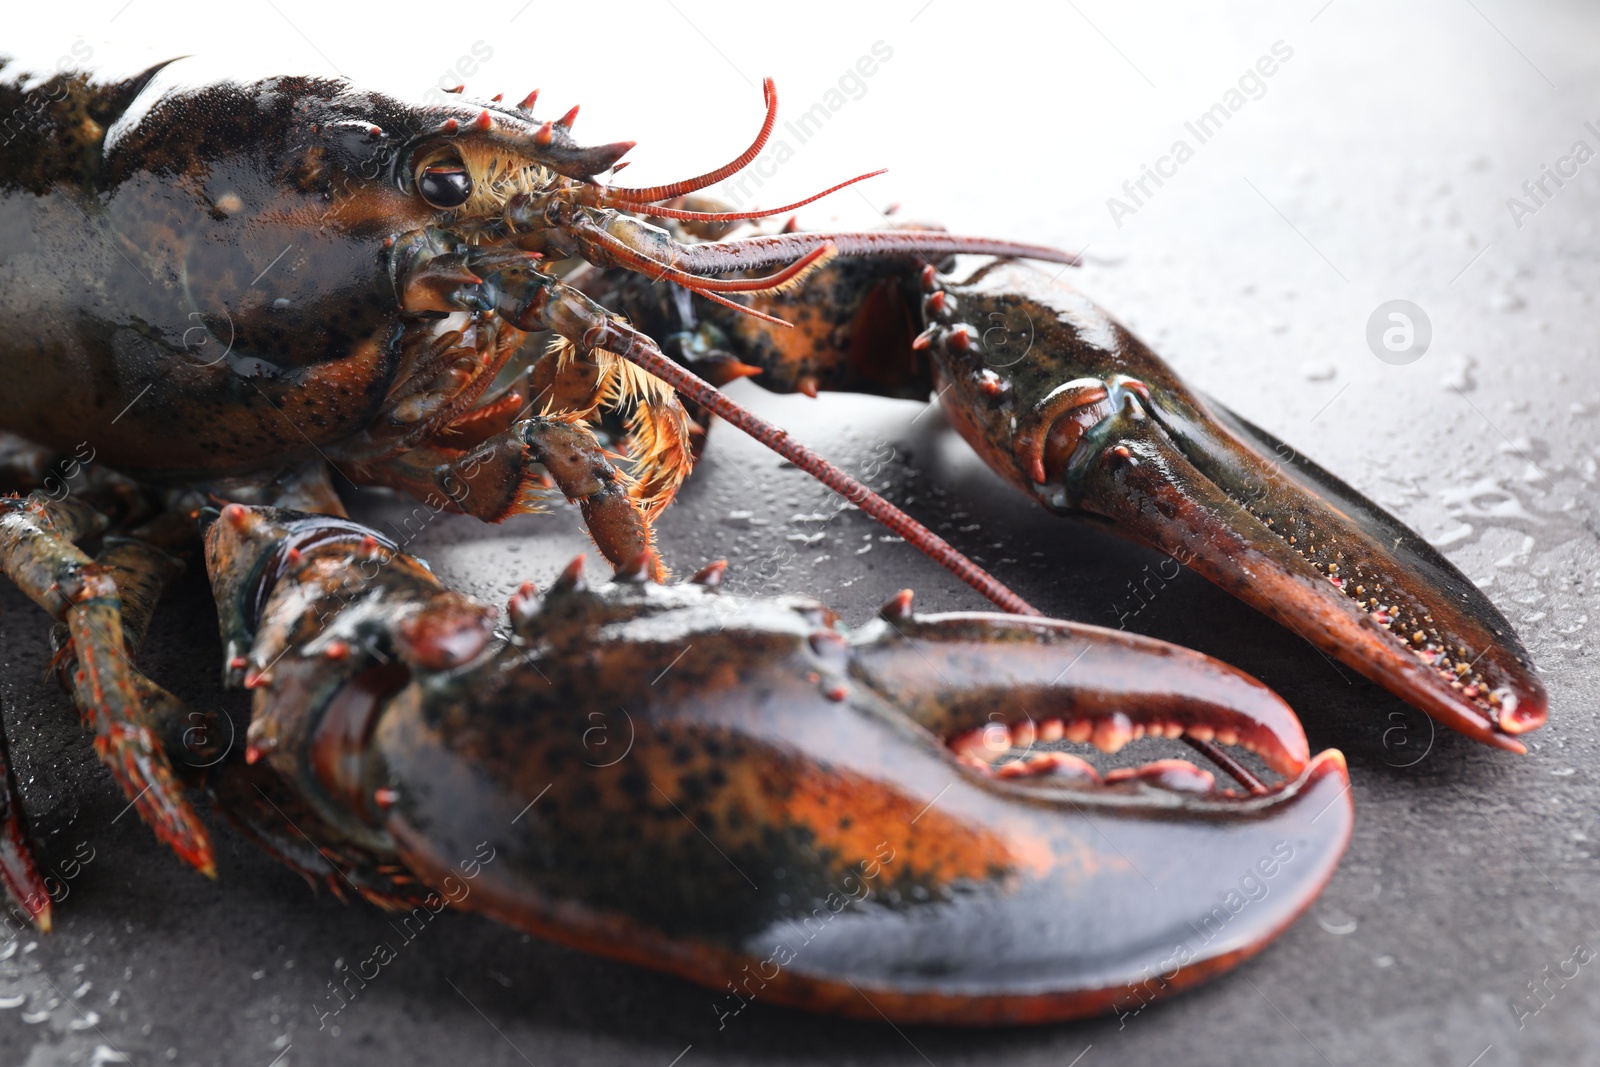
<point>656,211</point>
<point>667,192</point>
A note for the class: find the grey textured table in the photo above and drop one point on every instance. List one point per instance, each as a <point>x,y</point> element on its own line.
<point>1376,163</point>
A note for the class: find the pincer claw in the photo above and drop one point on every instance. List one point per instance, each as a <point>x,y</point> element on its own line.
<point>888,838</point>
<point>1094,423</point>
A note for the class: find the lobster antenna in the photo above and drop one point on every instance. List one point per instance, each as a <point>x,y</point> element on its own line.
<point>733,216</point>
<point>633,346</point>
<point>689,185</point>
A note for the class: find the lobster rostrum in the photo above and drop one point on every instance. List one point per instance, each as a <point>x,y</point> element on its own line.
<point>862,848</point>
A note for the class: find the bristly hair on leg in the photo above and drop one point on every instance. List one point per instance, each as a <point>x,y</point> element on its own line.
<point>659,429</point>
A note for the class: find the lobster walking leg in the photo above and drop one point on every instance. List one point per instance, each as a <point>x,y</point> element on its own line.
<point>38,553</point>
<point>142,571</point>
<point>497,480</point>
<point>574,459</point>
<point>18,873</point>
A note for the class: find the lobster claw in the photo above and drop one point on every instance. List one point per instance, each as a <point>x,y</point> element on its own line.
<point>1069,406</point>
<point>738,792</point>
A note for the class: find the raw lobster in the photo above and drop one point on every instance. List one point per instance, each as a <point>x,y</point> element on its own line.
<point>219,292</point>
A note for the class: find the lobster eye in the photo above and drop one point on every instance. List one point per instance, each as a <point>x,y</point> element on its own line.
<point>444,183</point>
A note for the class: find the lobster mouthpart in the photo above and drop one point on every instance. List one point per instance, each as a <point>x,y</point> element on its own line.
<point>1068,405</point>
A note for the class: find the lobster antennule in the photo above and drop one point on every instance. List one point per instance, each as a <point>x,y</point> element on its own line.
<point>789,275</point>
<point>750,253</point>
<point>626,196</point>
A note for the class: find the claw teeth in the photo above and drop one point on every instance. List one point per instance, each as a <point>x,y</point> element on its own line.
<point>1053,764</point>
<point>994,748</point>
<point>1508,711</point>
<point>1176,774</point>
<point>1112,732</point>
